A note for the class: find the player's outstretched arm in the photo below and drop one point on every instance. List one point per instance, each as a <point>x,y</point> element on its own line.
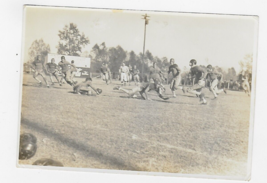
<point>94,89</point>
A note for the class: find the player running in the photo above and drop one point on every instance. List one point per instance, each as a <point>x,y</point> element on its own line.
<point>65,70</point>
<point>85,84</point>
<point>104,71</point>
<point>176,80</point>
<point>199,73</point>
<point>212,76</point>
<point>38,67</point>
<point>52,69</point>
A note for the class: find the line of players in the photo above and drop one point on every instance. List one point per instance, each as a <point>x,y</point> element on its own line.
<point>155,83</point>
<point>156,77</point>
<point>67,69</point>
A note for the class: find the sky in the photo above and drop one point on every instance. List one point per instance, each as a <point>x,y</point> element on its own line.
<point>219,40</point>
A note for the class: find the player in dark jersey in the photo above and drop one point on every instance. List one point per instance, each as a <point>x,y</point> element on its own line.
<point>85,84</point>
<point>176,80</point>
<point>38,67</point>
<point>156,77</point>
<point>212,77</point>
<point>104,71</point>
<point>73,70</point>
<point>199,74</point>
<point>65,69</point>
<point>52,69</point>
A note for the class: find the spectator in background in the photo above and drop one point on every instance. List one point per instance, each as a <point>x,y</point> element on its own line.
<point>109,74</point>
<point>136,75</point>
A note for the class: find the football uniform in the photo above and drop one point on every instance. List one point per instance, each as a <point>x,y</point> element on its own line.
<point>39,70</point>
<point>104,71</point>
<point>78,86</point>
<point>212,76</point>
<point>175,70</point>
<point>198,73</point>
<point>124,73</point>
<point>65,71</point>
<point>136,75</point>
<point>52,70</point>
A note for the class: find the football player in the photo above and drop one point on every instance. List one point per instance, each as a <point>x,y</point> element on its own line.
<point>109,74</point>
<point>245,83</point>
<point>212,76</point>
<point>199,74</point>
<point>73,71</point>
<point>38,67</point>
<point>155,83</point>
<point>65,69</point>
<point>136,75</point>
<point>85,84</point>
<point>124,70</point>
<point>104,71</point>
<point>52,69</point>
<point>176,80</point>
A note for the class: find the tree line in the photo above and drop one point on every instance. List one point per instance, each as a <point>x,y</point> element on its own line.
<point>72,41</point>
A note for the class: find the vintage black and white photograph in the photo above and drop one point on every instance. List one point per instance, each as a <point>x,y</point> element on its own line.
<point>148,92</point>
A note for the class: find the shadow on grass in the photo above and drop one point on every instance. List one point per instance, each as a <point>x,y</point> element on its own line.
<point>85,149</point>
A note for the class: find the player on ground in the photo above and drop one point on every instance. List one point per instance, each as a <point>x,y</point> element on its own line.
<point>212,76</point>
<point>199,73</point>
<point>38,67</point>
<point>124,70</point>
<point>52,69</point>
<point>85,84</point>
<point>176,80</point>
<point>65,69</point>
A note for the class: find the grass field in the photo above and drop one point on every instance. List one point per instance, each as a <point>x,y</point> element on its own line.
<point>111,131</point>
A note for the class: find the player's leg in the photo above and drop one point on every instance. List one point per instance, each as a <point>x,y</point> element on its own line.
<point>56,76</point>
<point>35,74</point>
<point>213,87</point>
<point>68,78</point>
<point>44,77</point>
<point>130,92</point>
<point>51,78</point>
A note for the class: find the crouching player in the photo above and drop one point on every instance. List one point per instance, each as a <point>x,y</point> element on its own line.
<point>86,84</point>
<point>199,73</point>
<point>212,76</point>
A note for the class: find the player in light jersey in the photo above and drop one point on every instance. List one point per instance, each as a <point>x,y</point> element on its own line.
<point>176,80</point>
<point>124,70</point>
<point>212,76</point>
<point>52,69</point>
<point>85,84</point>
<point>65,69</point>
<point>38,67</point>
<point>199,73</point>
